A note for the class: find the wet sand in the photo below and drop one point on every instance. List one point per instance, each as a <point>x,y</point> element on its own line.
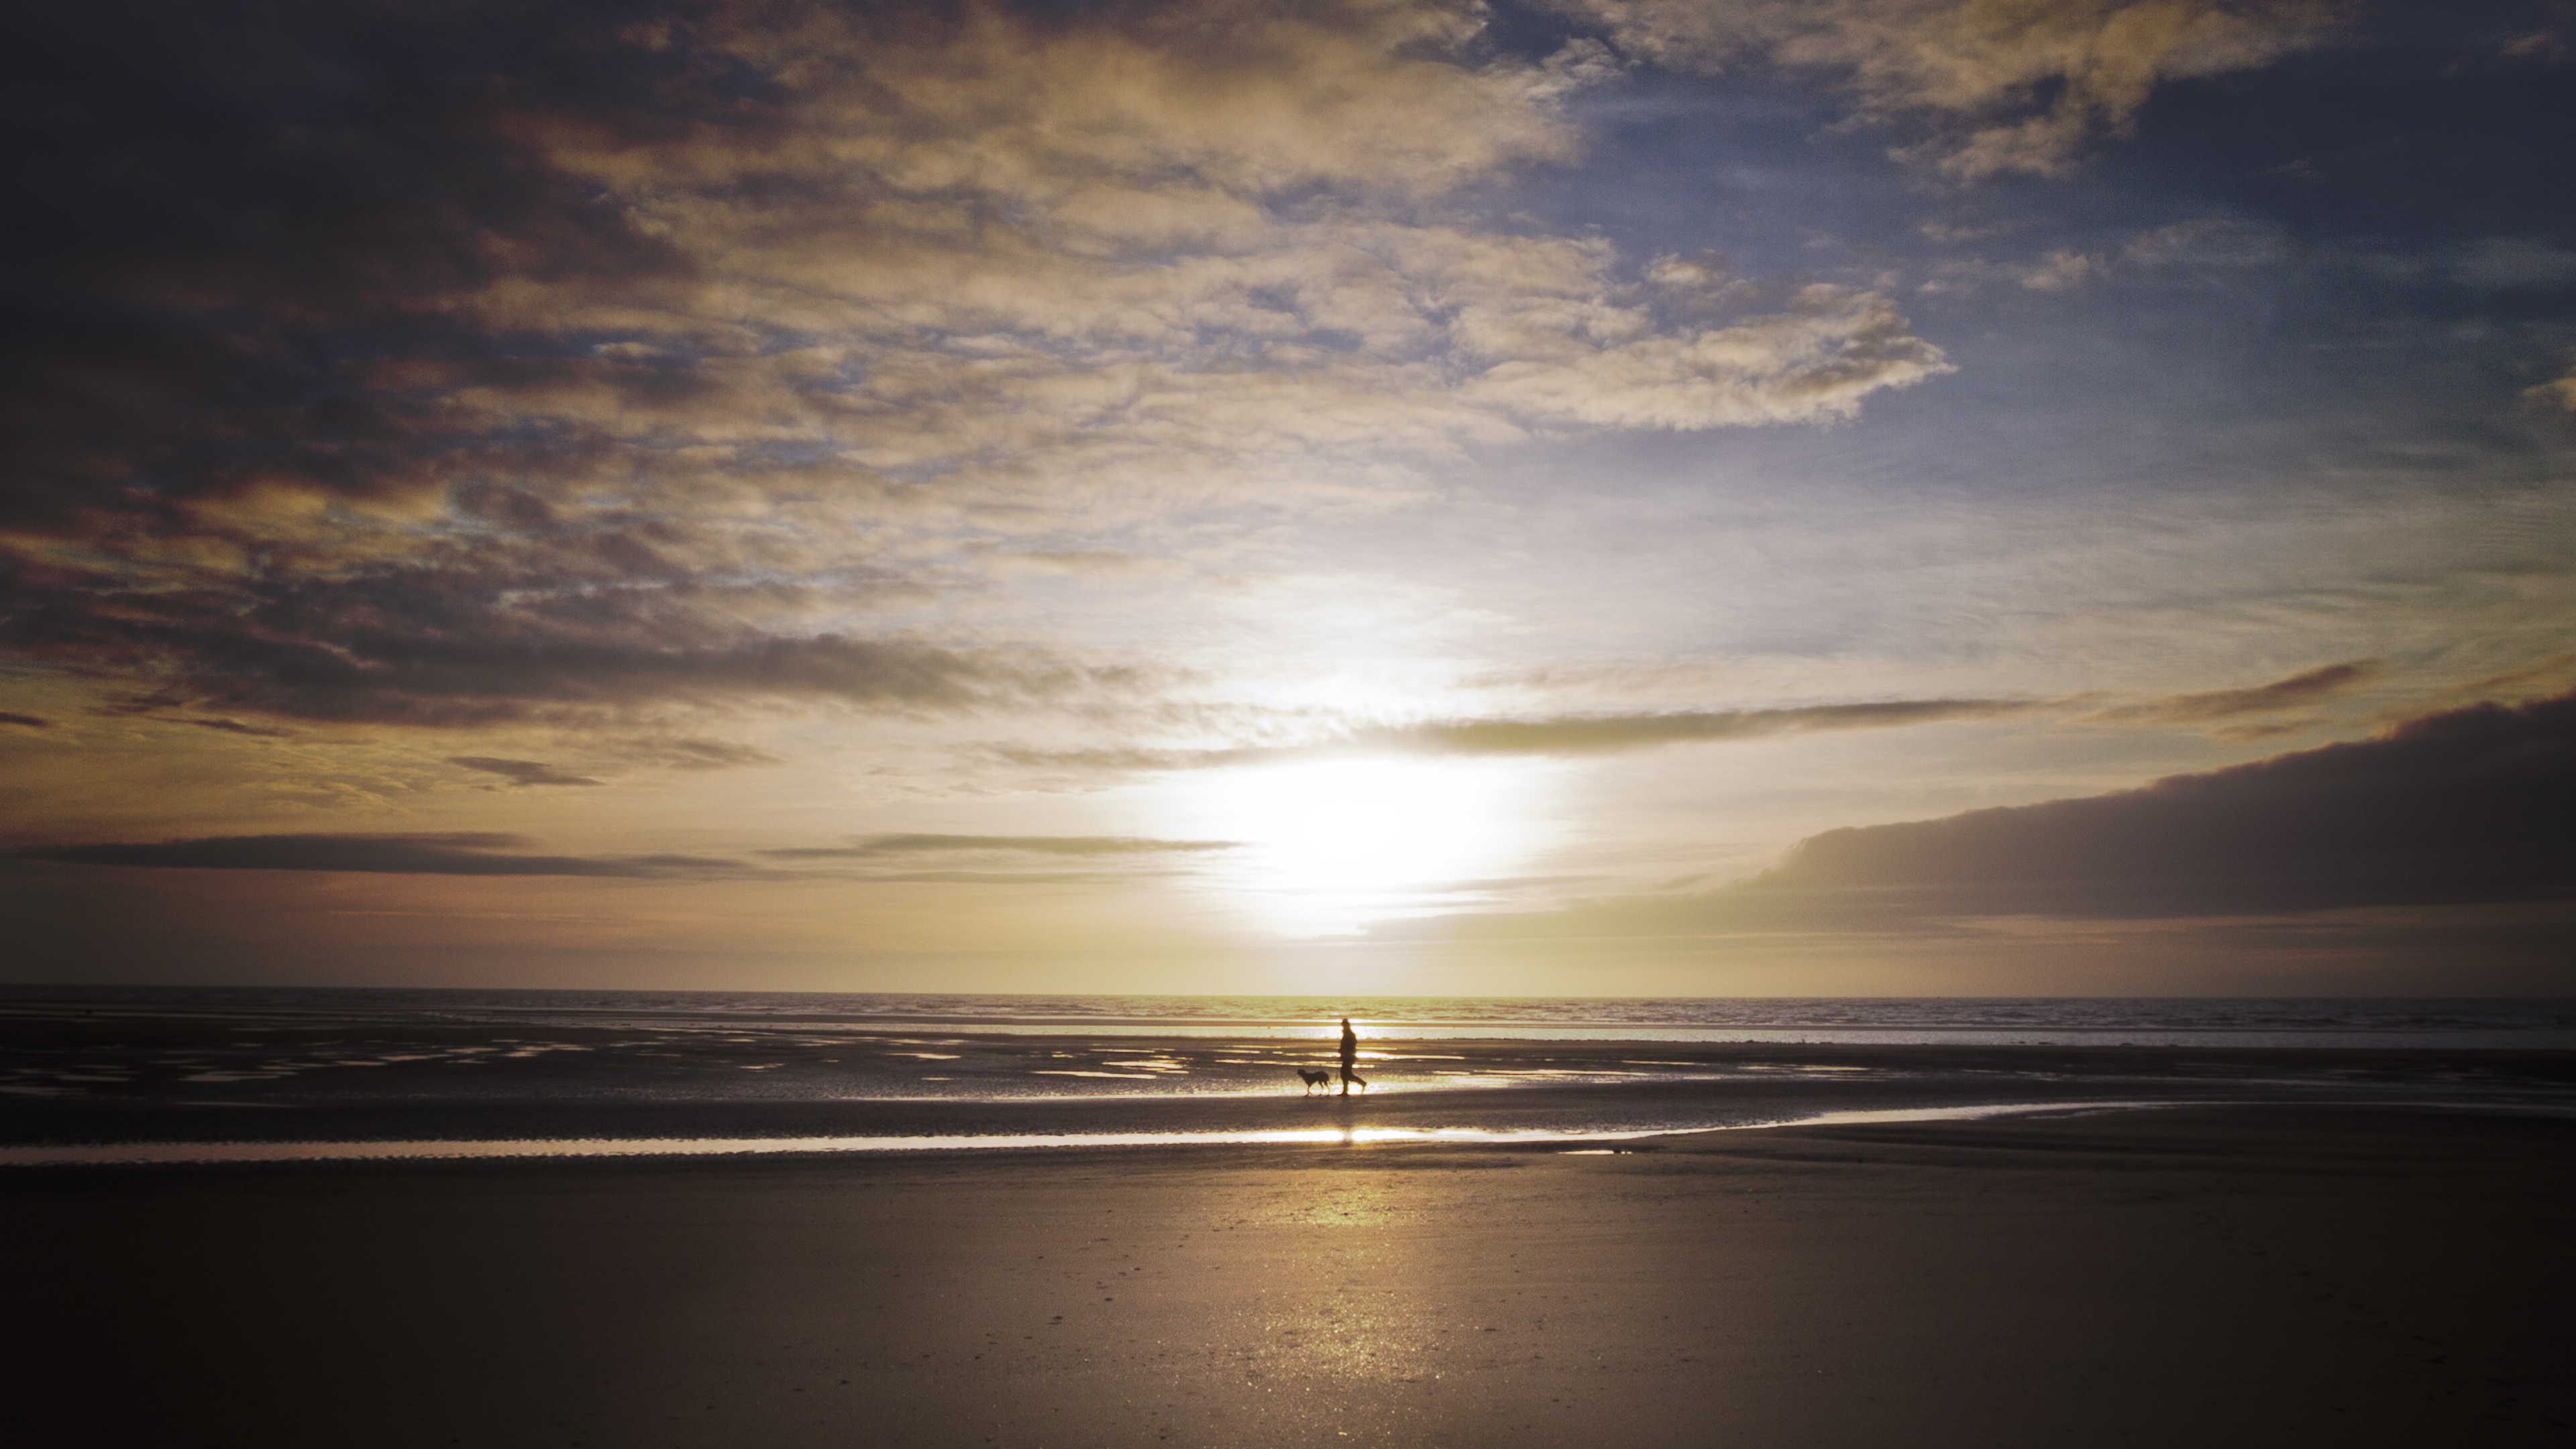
<point>2210,1276</point>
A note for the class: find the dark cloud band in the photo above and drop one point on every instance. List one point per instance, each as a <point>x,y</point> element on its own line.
<point>884,846</point>
<point>2299,691</point>
<point>520,772</point>
<point>472,854</point>
<point>1557,735</point>
<point>2466,807</point>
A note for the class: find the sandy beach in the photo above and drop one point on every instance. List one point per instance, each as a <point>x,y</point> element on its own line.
<point>2212,1276</point>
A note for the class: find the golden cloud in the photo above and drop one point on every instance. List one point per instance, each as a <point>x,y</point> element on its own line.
<point>2005,85</point>
<point>1160,249</point>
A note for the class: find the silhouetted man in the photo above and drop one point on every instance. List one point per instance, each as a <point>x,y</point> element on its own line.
<point>1350,1054</point>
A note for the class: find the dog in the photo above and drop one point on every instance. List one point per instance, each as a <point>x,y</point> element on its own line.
<point>1314,1080</point>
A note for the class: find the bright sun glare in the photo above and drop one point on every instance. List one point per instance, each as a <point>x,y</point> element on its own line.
<point>1328,844</point>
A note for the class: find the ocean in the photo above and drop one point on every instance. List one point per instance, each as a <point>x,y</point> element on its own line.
<point>200,1074</point>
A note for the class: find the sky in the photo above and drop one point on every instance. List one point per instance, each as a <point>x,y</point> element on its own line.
<point>1559,497</point>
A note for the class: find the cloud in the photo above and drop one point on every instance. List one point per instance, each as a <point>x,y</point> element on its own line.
<point>1115,852</point>
<point>235,727</point>
<point>1000,877</point>
<point>2000,87</point>
<point>2250,730</point>
<point>2546,45</point>
<point>476,854</point>
<point>2507,263</point>
<point>2202,243</point>
<point>2560,391</point>
<point>2550,675</point>
<point>2062,271</point>
<point>1556,735</point>
<point>2208,242</point>
<point>2465,807</point>
<point>666,356</point>
<point>704,754</point>
<point>489,854</point>
<point>2298,691</point>
<point>27,721</point>
<point>520,772</point>
<point>455,648</point>
<point>878,847</point>
<point>1598,734</point>
<point>2468,805</point>
<point>1812,363</point>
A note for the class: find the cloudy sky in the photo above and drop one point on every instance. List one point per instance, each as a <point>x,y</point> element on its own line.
<point>1589,497</point>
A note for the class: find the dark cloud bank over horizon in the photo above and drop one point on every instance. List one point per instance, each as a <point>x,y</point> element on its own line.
<point>2474,806</point>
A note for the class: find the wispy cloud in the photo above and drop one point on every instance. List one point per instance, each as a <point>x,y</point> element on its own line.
<point>2061,271</point>
<point>1003,860</point>
<point>341,653</point>
<point>233,727</point>
<point>1595,734</point>
<point>706,754</point>
<point>2559,392</point>
<point>2209,241</point>
<point>2299,691</point>
<point>2000,88</point>
<point>1001,877</point>
<point>1557,735</point>
<point>520,772</point>
<point>2545,676</point>
<point>2509,263</point>
<point>881,847</point>
<point>494,854</point>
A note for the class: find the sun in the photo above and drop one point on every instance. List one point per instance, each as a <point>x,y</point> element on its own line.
<point>1326,845</point>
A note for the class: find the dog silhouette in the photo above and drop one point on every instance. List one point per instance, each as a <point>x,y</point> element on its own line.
<point>1314,1079</point>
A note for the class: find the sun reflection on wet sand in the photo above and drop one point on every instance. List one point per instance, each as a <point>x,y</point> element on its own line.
<point>1350,1135</point>
<point>141,1152</point>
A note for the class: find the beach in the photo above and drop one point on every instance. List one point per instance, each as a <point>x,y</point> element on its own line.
<point>2216,1275</point>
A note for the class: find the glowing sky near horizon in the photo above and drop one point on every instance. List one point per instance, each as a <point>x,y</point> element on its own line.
<point>1567,497</point>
